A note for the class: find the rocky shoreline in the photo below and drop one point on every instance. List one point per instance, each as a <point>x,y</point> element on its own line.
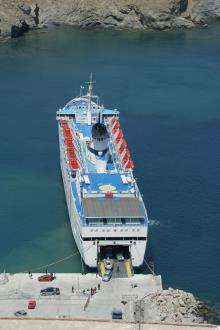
<point>19,16</point>
<point>176,306</point>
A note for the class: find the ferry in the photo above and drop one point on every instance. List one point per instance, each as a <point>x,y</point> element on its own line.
<point>106,210</point>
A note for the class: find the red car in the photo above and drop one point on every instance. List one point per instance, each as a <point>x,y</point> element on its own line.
<point>31,304</point>
<point>46,278</point>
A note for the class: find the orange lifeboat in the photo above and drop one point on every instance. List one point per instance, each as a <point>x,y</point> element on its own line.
<point>128,153</point>
<point>113,120</point>
<point>121,148</point>
<point>70,153</point>
<point>123,144</point>
<point>66,131</point>
<point>74,164</point>
<point>116,124</point>
<point>119,137</point>
<point>130,164</point>
<point>70,148</point>
<point>114,130</point>
<point>68,141</point>
<point>125,160</point>
<point>68,135</point>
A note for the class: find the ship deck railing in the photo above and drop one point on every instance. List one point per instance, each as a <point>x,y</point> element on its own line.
<point>113,224</point>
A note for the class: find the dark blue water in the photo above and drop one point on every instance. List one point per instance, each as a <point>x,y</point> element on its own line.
<point>166,86</point>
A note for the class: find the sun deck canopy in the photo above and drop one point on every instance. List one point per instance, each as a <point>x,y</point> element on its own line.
<point>113,208</point>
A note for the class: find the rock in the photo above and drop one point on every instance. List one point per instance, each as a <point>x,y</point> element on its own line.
<point>25,8</point>
<point>175,306</point>
<point>17,16</point>
<point>19,30</point>
<point>181,303</point>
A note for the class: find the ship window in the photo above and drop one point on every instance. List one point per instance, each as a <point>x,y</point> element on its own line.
<point>111,220</point>
<point>94,220</point>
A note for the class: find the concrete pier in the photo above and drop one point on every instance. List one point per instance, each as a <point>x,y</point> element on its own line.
<point>75,308</point>
<point>20,288</point>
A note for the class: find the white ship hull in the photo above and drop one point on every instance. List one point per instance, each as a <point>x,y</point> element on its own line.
<point>104,203</point>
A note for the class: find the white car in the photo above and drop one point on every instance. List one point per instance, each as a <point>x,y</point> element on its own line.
<point>120,257</point>
<point>107,276</point>
<point>108,263</point>
<point>20,313</point>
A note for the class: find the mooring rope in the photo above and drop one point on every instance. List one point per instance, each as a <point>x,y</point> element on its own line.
<point>55,262</point>
<point>52,263</point>
<point>146,263</point>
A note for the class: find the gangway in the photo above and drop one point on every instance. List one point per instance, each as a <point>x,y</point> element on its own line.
<point>119,269</point>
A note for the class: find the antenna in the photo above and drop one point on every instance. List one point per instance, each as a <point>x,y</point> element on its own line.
<point>89,95</point>
<point>90,83</point>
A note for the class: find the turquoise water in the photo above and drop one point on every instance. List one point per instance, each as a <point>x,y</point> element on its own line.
<point>166,86</point>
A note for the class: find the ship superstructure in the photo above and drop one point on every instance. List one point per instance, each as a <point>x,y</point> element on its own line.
<point>105,205</point>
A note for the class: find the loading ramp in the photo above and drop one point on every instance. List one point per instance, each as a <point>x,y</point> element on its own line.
<point>122,269</point>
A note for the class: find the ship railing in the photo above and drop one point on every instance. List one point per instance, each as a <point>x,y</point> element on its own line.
<point>142,224</point>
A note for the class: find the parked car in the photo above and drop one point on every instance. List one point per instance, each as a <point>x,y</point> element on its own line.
<point>117,314</point>
<point>108,263</point>
<point>20,313</point>
<point>31,304</point>
<point>46,278</point>
<point>50,291</point>
<point>120,257</point>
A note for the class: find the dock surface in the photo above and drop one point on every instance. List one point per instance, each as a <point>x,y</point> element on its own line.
<point>75,307</point>
<point>75,299</point>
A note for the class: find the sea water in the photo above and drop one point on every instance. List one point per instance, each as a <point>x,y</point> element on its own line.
<point>167,88</point>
